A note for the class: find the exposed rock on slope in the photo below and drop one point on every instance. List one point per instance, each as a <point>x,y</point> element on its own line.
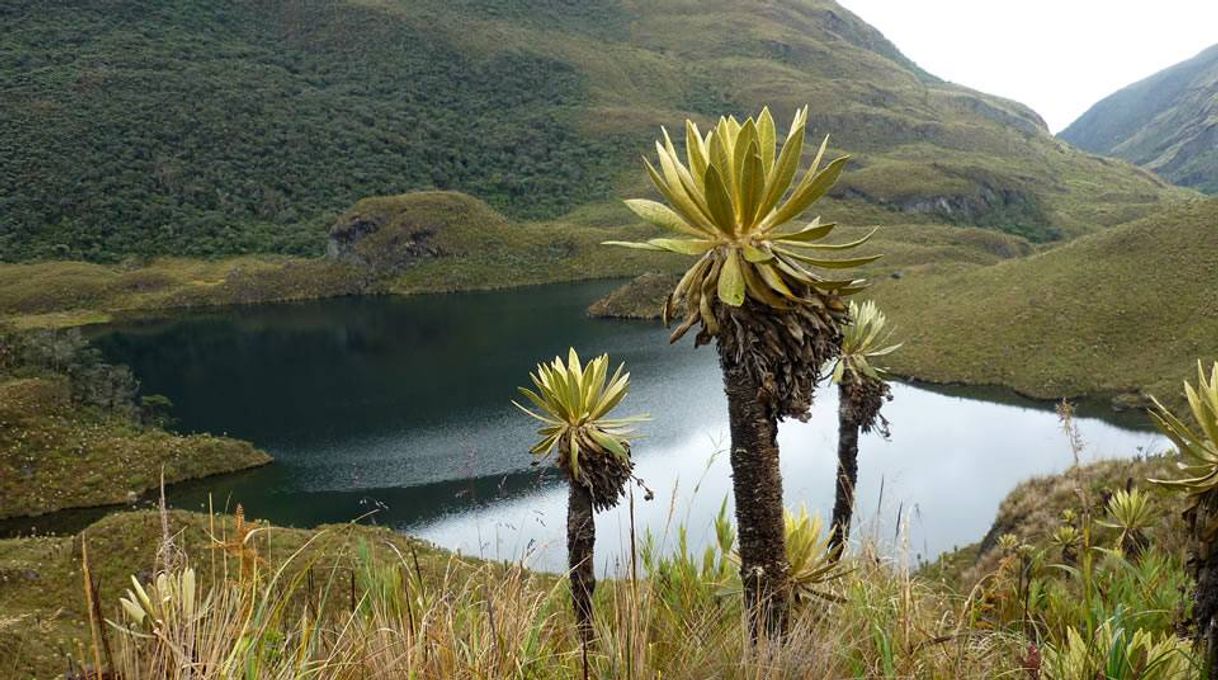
<point>386,234</point>
<point>642,298</point>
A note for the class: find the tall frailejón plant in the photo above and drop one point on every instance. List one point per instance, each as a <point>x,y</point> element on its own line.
<point>758,289</point>
<point>862,391</point>
<point>573,403</point>
<point>1198,479</point>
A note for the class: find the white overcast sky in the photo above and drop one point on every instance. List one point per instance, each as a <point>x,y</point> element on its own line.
<point>1057,56</point>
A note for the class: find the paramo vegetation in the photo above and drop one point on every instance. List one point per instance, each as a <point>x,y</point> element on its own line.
<point>1103,591</point>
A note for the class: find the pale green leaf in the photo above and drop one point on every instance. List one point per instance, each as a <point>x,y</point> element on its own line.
<point>662,216</point>
<point>731,281</point>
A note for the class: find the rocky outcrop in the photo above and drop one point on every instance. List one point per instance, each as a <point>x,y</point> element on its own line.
<point>641,298</point>
<point>379,236</point>
<point>387,234</point>
<point>1000,207</point>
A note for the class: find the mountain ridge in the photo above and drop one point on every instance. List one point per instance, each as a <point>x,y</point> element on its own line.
<point>1167,123</point>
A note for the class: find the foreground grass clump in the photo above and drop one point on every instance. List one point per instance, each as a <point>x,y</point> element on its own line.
<point>353,601</point>
<point>74,434</point>
<point>44,629</point>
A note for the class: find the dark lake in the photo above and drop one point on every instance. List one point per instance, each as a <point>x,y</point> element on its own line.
<point>400,407</point>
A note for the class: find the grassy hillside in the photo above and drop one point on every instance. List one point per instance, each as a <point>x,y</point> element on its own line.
<point>420,242</point>
<point>1167,123</point>
<point>356,602</point>
<point>1128,310</point>
<point>73,433</point>
<point>232,127</point>
<point>906,248</point>
<point>1123,312</point>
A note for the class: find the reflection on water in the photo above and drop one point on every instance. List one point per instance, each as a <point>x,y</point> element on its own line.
<point>400,407</point>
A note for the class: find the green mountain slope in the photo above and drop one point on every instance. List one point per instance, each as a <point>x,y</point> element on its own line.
<point>1120,313</point>
<point>1127,310</point>
<point>176,127</point>
<point>1167,123</point>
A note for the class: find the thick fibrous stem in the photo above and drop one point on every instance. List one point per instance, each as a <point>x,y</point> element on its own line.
<point>847,473</point>
<point>771,361</point>
<point>599,485</point>
<point>1203,559</point>
<point>782,351</point>
<point>604,474</point>
<point>861,398</point>
<point>864,396</point>
<point>757,485</point>
<point>581,537</point>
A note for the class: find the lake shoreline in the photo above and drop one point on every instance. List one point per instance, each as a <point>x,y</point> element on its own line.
<point>57,455</point>
<point>402,405</point>
<point>642,298</point>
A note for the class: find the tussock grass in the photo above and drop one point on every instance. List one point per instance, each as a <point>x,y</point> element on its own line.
<point>351,601</point>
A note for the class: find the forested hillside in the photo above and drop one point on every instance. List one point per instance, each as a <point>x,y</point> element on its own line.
<point>145,127</point>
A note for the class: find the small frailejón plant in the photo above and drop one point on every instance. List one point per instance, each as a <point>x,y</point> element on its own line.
<point>573,402</point>
<point>1066,539</point>
<point>863,391</point>
<point>1117,649</point>
<point>757,289</point>
<point>1199,480</point>
<point>1131,513</point>
<point>814,567</point>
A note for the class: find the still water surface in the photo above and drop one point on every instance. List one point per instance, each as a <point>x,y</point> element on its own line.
<point>401,406</point>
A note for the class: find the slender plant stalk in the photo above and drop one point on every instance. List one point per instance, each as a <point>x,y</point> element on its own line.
<point>91,604</point>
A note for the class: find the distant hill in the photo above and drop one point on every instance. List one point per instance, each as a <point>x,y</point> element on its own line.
<point>1127,310</point>
<point>147,127</point>
<point>1117,313</point>
<point>1167,123</point>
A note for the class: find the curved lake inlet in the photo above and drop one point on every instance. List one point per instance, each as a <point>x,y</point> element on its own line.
<point>400,407</point>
